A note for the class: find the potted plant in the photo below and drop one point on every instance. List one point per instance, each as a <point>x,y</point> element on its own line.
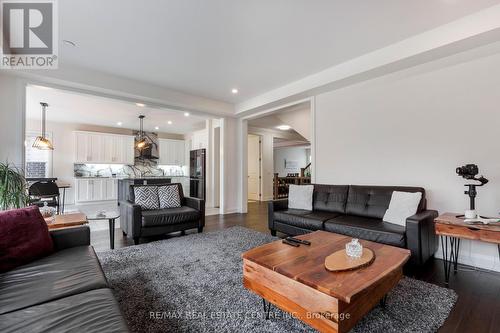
<point>12,187</point>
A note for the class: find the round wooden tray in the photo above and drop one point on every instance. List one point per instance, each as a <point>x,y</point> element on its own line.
<point>340,261</point>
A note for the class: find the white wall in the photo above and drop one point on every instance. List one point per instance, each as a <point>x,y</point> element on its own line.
<point>298,154</point>
<point>231,165</point>
<point>413,128</point>
<point>11,119</point>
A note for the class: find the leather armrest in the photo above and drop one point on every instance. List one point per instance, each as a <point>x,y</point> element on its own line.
<point>199,205</point>
<point>272,207</point>
<point>195,203</point>
<point>421,237</point>
<point>70,237</point>
<point>130,218</point>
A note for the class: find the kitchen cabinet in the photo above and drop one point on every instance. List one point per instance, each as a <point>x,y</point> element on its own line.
<point>111,188</point>
<point>199,140</point>
<point>104,148</point>
<point>172,152</point>
<point>95,189</point>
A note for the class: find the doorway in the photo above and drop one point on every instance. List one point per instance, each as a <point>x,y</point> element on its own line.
<point>254,167</point>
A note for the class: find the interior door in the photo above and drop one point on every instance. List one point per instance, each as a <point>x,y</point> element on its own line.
<point>253,167</point>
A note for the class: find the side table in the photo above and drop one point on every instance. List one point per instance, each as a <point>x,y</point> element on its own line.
<point>452,229</point>
<point>111,217</point>
<point>66,220</point>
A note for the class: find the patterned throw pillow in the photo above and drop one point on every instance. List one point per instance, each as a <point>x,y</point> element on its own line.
<point>147,197</point>
<point>169,196</point>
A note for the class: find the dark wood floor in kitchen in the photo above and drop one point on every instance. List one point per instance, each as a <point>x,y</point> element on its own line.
<point>478,306</point>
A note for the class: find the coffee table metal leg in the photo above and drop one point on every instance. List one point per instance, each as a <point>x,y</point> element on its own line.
<point>63,200</point>
<point>267,308</point>
<point>446,261</point>
<point>112,233</point>
<point>456,250</point>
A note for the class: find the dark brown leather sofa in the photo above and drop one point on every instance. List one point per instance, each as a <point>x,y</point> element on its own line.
<point>357,211</point>
<point>63,292</point>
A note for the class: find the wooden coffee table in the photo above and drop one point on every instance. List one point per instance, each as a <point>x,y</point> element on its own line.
<point>296,280</point>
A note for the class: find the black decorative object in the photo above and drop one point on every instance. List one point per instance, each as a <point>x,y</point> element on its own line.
<point>470,172</point>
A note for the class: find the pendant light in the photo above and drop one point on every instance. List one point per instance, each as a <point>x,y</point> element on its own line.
<point>142,142</point>
<point>42,142</point>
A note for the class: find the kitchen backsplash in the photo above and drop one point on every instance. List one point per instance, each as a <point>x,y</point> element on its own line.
<point>138,170</point>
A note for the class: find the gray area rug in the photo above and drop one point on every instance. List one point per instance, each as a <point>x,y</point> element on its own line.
<point>194,284</point>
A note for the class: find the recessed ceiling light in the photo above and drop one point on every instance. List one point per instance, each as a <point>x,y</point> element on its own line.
<point>119,123</point>
<point>157,128</point>
<point>186,114</point>
<point>169,122</point>
<point>43,87</point>
<point>140,105</point>
<point>69,42</point>
<point>283,127</point>
<point>234,91</point>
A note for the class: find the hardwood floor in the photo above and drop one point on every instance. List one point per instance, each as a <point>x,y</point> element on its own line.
<point>478,306</point>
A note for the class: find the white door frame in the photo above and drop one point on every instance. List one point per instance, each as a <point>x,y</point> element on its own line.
<point>259,173</point>
<point>243,145</point>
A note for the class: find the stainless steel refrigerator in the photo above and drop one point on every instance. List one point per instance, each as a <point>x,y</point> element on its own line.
<point>197,167</point>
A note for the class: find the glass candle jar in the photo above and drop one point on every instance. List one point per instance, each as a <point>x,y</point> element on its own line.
<point>354,249</point>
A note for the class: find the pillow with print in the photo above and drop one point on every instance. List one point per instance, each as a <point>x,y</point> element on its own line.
<point>169,196</point>
<point>147,197</point>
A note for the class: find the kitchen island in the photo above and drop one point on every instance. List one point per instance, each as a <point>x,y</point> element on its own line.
<point>124,184</point>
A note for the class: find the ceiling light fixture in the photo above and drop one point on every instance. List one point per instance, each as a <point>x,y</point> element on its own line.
<point>140,105</point>
<point>142,142</point>
<point>157,128</point>
<point>283,127</point>
<point>42,142</point>
<point>119,123</point>
<point>186,114</point>
<point>234,91</point>
<point>169,122</point>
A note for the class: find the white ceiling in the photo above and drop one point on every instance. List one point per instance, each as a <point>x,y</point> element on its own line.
<point>70,107</point>
<point>208,47</point>
<point>292,136</point>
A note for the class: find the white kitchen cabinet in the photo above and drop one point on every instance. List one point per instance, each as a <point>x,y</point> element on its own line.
<point>111,188</point>
<point>103,148</point>
<point>82,190</point>
<point>199,140</point>
<point>95,189</point>
<point>172,152</point>
<point>128,149</point>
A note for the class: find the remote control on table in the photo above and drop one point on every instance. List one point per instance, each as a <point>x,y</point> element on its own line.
<point>287,242</point>
<point>299,241</point>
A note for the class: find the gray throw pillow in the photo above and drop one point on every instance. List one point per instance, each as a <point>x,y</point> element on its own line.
<point>147,197</point>
<point>169,196</point>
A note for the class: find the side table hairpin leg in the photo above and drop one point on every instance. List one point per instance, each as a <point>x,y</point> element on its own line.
<point>450,258</point>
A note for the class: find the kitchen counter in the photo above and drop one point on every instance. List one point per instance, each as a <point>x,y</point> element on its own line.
<point>125,183</point>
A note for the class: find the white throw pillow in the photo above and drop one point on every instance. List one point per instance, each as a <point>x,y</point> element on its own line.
<point>169,196</point>
<point>300,197</point>
<point>402,206</point>
<point>147,197</point>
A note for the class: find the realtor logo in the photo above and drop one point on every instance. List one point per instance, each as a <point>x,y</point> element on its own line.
<point>29,34</point>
